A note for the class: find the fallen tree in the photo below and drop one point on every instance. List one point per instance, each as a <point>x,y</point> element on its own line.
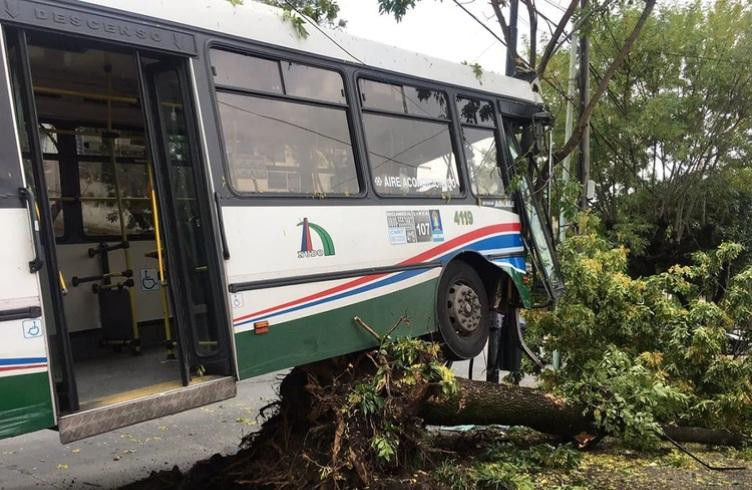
<point>360,420</point>
<point>644,359</point>
<point>481,403</point>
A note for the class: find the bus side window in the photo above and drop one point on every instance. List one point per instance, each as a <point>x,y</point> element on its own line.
<point>289,136</point>
<point>408,136</point>
<point>481,153</point>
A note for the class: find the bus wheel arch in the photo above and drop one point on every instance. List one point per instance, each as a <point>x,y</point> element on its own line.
<point>463,334</point>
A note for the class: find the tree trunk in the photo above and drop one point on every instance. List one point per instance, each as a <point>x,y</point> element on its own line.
<point>704,436</point>
<point>482,403</point>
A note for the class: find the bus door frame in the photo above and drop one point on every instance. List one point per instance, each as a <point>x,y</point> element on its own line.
<point>224,359</point>
<point>66,391</point>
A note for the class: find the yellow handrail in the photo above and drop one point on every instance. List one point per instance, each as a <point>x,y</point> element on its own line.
<point>160,262</point>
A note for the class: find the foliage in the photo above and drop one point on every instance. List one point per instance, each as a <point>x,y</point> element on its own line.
<point>381,402</point>
<point>299,12</point>
<point>477,70</point>
<point>507,463</point>
<point>670,142</point>
<point>649,351</point>
<point>349,422</point>
<point>396,8</point>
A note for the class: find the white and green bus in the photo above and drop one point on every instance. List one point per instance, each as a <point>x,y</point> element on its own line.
<point>192,195</point>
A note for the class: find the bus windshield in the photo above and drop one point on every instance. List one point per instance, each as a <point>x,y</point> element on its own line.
<point>540,232</point>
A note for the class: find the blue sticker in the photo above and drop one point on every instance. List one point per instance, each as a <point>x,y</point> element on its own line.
<point>437,230</point>
<point>32,328</point>
<point>414,226</point>
<point>397,236</point>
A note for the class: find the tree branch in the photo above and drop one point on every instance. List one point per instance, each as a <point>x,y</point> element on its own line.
<point>496,4</point>
<point>549,51</point>
<point>533,17</point>
<point>584,118</point>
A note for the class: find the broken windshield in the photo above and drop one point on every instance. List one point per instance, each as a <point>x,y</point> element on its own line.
<point>540,232</point>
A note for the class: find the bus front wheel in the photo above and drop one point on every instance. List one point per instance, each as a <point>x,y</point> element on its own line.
<point>462,309</point>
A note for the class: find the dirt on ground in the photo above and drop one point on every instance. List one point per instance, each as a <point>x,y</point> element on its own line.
<point>612,467</point>
<point>516,458</point>
<point>360,428</point>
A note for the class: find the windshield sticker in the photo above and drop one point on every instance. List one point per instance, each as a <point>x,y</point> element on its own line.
<point>497,203</point>
<point>414,226</point>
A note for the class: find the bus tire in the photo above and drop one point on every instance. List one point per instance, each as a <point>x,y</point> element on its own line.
<point>462,311</point>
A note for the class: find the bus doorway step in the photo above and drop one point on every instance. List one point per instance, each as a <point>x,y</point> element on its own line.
<point>87,423</point>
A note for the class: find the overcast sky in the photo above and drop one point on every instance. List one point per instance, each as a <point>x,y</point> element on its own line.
<point>442,29</point>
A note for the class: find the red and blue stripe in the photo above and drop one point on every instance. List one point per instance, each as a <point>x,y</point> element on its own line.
<point>489,238</point>
<point>22,363</point>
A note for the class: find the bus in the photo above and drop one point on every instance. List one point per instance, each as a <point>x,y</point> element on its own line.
<point>194,195</point>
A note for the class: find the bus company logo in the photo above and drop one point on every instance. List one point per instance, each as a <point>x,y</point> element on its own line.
<point>306,245</point>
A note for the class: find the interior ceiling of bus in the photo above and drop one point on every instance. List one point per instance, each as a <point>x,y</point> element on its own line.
<point>76,84</point>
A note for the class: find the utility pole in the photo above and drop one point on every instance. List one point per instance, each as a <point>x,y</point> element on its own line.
<point>584,83</point>
<point>514,9</point>
<point>501,330</point>
<point>566,169</point>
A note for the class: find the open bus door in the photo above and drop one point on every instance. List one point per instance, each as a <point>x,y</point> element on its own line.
<point>205,344</point>
<point>41,390</point>
<point>26,399</point>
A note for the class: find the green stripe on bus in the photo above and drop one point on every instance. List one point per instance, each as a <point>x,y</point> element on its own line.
<point>25,404</point>
<point>334,332</point>
<point>519,282</point>
<point>326,239</point>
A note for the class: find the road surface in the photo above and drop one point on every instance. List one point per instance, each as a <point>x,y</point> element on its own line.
<point>38,460</point>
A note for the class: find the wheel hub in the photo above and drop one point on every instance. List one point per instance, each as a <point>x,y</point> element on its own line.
<point>464,308</point>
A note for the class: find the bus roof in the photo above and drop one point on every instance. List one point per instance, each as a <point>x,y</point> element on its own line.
<point>262,23</point>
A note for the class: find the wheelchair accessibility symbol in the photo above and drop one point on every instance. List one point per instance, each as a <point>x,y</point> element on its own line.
<point>149,280</point>
<point>32,328</point>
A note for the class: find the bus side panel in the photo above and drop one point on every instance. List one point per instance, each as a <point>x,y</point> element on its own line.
<point>334,332</point>
<point>282,319</point>
<point>25,393</point>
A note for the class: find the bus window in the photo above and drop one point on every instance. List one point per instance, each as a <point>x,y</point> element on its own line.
<point>48,143</point>
<point>99,207</point>
<point>248,72</point>
<point>476,112</point>
<point>409,156</point>
<point>286,146</point>
<point>406,99</point>
<point>55,195</point>
<point>482,163</point>
<point>313,83</point>
<point>479,139</point>
<point>382,96</point>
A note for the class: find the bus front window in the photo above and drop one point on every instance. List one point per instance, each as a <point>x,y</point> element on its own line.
<point>536,221</point>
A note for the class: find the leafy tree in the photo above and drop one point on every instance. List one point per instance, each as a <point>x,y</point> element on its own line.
<point>299,12</point>
<point>671,140</point>
<point>644,352</point>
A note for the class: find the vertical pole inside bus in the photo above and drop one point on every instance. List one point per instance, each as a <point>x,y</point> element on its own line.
<point>110,138</point>
<point>159,253</point>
